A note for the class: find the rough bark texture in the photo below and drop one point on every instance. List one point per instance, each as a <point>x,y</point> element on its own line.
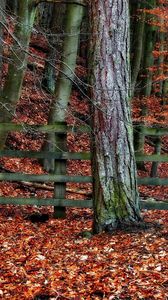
<point>114,169</point>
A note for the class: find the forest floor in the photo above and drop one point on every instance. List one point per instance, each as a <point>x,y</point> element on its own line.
<point>52,259</point>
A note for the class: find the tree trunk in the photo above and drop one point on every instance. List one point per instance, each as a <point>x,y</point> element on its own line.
<point>55,42</point>
<point>45,14</point>
<point>74,14</point>
<point>12,5</point>
<point>18,61</point>
<point>115,194</point>
<point>137,41</point>
<point>2,19</point>
<point>150,39</point>
<point>146,82</point>
<point>160,62</point>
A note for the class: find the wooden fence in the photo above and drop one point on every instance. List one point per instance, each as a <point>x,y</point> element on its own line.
<point>60,179</point>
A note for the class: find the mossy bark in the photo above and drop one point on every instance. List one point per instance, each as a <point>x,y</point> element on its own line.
<point>115,194</point>
<point>18,61</point>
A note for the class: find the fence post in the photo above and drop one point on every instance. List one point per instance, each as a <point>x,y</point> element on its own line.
<point>60,169</point>
<point>139,141</point>
<point>158,145</point>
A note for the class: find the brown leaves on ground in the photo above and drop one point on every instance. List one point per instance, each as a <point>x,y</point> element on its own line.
<point>53,258</point>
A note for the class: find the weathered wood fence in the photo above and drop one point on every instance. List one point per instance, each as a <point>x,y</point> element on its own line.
<point>60,179</point>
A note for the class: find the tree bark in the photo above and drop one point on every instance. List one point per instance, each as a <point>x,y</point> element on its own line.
<point>115,194</point>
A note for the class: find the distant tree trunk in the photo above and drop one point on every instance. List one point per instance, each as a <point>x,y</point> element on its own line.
<point>137,45</point>
<point>74,14</point>
<point>148,60</point>
<point>18,61</point>
<point>165,91</point>
<point>45,13</point>
<point>2,19</point>
<point>115,194</point>
<point>55,42</point>
<point>147,80</point>
<point>158,141</point>
<point>12,5</point>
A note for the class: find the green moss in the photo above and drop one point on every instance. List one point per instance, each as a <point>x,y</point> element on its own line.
<point>119,200</point>
<point>114,209</point>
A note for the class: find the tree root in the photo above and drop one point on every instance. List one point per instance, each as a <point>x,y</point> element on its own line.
<point>132,227</point>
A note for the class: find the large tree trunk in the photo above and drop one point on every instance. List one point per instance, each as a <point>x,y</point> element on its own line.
<point>18,61</point>
<point>115,195</point>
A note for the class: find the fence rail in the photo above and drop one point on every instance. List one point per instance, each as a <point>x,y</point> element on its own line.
<point>61,156</point>
<point>44,178</point>
<point>63,128</point>
<point>57,128</point>
<point>144,204</point>
<point>45,154</point>
<point>73,155</point>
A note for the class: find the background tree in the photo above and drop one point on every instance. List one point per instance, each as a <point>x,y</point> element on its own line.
<point>142,63</point>
<point>2,20</point>
<point>137,40</point>
<point>73,19</point>
<point>55,34</point>
<point>18,62</point>
<point>114,170</point>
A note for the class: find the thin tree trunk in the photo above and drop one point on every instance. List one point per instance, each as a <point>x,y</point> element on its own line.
<point>12,5</point>
<point>2,19</point>
<point>18,61</point>
<point>158,141</point>
<point>45,13</point>
<point>137,40</point>
<point>74,14</point>
<point>150,39</point>
<point>158,146</point>
<point>146,83</point>
<point>115,195</point>
<point>55,43</point>
<point>165,91</point>
<point>73,21</point>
